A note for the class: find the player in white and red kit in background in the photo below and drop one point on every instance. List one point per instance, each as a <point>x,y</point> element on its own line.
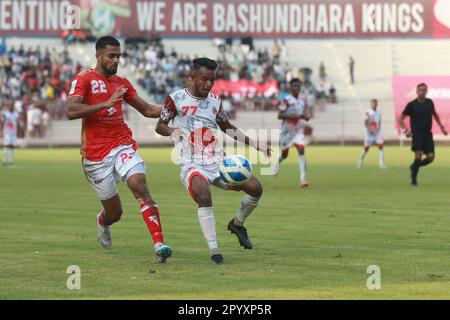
<point>292,110</point>
<point>373,135</point>
<point>198,119</point>
<point>108,149</point>
<point>9,131</point>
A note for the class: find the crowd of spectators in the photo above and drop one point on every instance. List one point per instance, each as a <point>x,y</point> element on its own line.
<point>160,71</point>
<point>157,70</point>
<point>37,79</point>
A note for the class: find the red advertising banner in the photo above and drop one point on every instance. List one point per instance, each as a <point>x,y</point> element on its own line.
<point>220,18</point>
<point>441,19</point>
<point>404,89</point>
<point>245,88</point>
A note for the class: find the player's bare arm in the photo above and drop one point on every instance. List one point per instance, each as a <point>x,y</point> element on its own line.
<point>283,116</point>
<point>77,109</point>
<point>146,109</point>
<point>438,121</point>
<point>163,128</point>
<point>305,115</point>
<point>401,122</point>
<point>225,125</point>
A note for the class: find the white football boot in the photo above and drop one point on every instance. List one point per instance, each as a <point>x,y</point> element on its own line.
<point>103,235</point>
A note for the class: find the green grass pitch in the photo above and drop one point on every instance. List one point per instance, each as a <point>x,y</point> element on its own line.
<point>308,244</point>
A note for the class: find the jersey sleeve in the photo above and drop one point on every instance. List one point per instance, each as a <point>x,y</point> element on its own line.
<point>169,110</point>
<point>131,91</point>
<point>407,111</point>
<point>79,86</point>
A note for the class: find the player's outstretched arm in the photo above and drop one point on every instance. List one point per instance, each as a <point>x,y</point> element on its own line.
<point>225,125</point>
<point>77,109</point>
<point>163,129</point>
<point>146,109</point>
<point>283,116</point>
<point>438,121</point>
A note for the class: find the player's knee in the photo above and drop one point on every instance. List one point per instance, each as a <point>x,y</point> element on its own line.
<point>115,215</point>
<point>430,158</point>
<point>203,200</point>
<point>255,189</point>
<point>141,190</point>
<point>258,191</point>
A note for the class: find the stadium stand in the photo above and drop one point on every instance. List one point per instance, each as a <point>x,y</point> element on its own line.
<point>376,61</point>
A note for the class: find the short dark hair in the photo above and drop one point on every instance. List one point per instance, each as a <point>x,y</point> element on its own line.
<point>106,41</point>
<point>295,80</point>
<point>374,100</point>
<point>423,84</point>
<point>204,62</point>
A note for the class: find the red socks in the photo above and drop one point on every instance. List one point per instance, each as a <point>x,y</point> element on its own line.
<point>100,219</point>
<point>150,214</point>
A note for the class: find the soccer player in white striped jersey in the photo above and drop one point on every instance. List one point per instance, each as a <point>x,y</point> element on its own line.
<point>197,120</point>
<point>9,132</point>
<point>293,111</point>
<point>373,135</point>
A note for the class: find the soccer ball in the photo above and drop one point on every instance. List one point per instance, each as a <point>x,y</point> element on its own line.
<point>235,170</point>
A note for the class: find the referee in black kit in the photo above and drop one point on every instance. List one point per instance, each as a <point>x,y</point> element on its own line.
<point>421,111</point>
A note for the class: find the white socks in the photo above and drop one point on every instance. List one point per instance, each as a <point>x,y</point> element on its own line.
<point>208,226</point>
<point>8,155</point>
<point>363,155</point>
<point>381,158</point>
<point>248,204</point>
<point>302,165</point>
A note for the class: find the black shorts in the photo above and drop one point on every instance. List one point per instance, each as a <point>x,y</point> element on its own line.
<point>423,142</point>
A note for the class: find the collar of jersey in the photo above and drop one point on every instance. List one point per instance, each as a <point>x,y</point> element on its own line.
<point>187,91</point>
<point>107,79</point>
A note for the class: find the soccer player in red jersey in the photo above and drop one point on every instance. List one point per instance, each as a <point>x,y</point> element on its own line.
<point>108,149</point>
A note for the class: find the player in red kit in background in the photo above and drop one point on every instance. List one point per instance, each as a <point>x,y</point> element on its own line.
<point>108,149</point>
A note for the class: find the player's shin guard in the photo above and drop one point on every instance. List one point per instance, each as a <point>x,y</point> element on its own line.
<point>208,226</point>
<point>415,168</point>
<point>381,158</point>
<point>248,204</point>
<point>150,214</point>
<point>5,155</point>
<point>425,162</point>
<point>363,154</point>
<point>302,165</point>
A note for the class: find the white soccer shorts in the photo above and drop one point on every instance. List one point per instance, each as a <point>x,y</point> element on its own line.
<point>209,173</point>
<point>120,164</point>
<point>10,139</point>
<point>373,138</point>
<point>288,140</point>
